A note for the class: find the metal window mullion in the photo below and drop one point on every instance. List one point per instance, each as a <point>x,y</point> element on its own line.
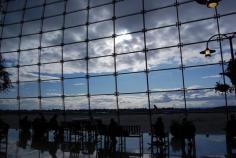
<point>2,25</point>
<point>39,56</point>
<point>62,56</point>
<point>222,63</point>
<point>115,64</point>
<point>87,58</point>
<point>181,55</point>
<point>146,63</point>
<point>18,56</point>
<point>3,14</point>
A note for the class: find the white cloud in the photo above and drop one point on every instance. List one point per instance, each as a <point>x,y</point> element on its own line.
<point>79,84</point>
<point>212,76</point>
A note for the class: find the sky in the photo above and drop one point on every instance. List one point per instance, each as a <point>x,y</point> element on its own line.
<point>163,55</point>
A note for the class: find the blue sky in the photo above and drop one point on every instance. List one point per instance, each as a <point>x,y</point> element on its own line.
<point>164,62</point>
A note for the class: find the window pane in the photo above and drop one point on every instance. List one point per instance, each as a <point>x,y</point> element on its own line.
<point>102,29</point>
<point>103,102</point>
<point>8,104</point>
<point>54,9</point>
<point>138,83</point>
<point>192,56</point>
<point>132,101</point>
<point>100,13</point>
<point>129,24</point>
<point>11,31</point>
<point>9,45</point>
<point>187,13</point>
<point>167,100</point>
<point>164,58</point>
<point>31,27</point>
<point>77,18</point>
<point>207,98</point>
<point>73,5</point>
<point>75,68</point>
<point>50,71</point>
<point>162,37</point>
<point>129,43</point>
<point>29,73</point>
<point>226,7</point>
<point>10,93</point>
<point>13,74</point>
<point>75,86</point>
<point>77,103</point>
<point>74,51</point>
<point>160,18</point>
<point>101,47</point>
<point>29,104</point>
<point>52,104</point>
<point>75,34</point>
<point>51,88</point>
<point>32,3</point>
<point>131,62</point>
<point>53,23</point>
<point>165,80</point>
<point>151,4</point>
<point>102,85</point>
<point>14,17</point>
<point>198,31</point>
<point>51,54</point>
<point>34,13</point>
<point>10,59</point>
<point>104,65</point>
<point>29,42</point>
<point>52,38</point>
<point>124,7</point>
<point>227,24</point>
<point>96,2</point>
<point>16,5</point>
<point>29,57</point>
<point>203,77</point>
<point>29,89</point>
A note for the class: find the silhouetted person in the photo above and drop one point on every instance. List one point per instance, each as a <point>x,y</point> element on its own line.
<point>53,124</point>
<point>155,107</point>
<point>176,129</point>
<point>159,128</point>
<point>101,128</point>
<point>24,136</point>
<point>42,118</point>
<point>25,124</point>
<point>230,134</point>
<point>3,128</point>
<point>52,148</point>
<point>39,126</point>
<point>188,132</point>
<point>112,132</point>
<point>159,132</point>
<point>231,126</point>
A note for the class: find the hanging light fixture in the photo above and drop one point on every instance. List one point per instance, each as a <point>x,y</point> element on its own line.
<point>209,3</point>
<point>207,52</point>
<point>212,3</point>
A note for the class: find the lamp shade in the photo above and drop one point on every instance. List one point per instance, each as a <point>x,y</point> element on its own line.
<point>212,3</point>
<point>207,52</point>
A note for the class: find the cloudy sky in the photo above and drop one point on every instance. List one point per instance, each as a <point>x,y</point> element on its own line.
<point>162,38</point>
